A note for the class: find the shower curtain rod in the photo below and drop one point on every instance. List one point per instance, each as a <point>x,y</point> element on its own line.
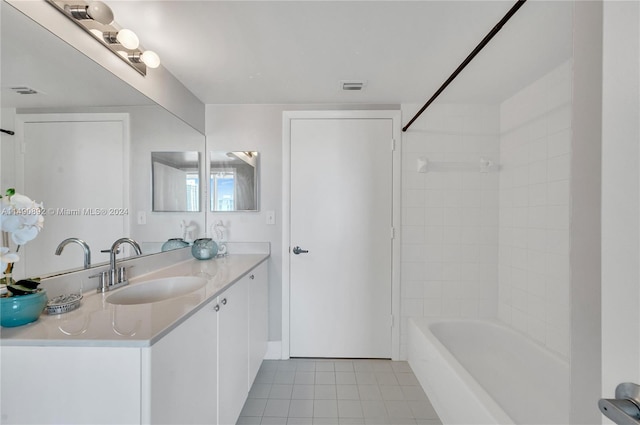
<point>469,58</point>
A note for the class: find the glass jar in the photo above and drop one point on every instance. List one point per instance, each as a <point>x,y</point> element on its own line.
<point>204,249</point>
<point>174,243</point>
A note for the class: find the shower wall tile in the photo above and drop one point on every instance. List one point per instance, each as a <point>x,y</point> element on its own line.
<point>533,259</point>
<point>450,215</point>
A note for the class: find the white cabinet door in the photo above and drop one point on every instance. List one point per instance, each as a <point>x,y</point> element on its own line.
<point>183,372</point>
<point>258,319</point>
<point>233,351</point>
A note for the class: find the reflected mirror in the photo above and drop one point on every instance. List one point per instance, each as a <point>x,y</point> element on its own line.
<point>92,188</point>
<point>233,182</point>
<point>176,181</point>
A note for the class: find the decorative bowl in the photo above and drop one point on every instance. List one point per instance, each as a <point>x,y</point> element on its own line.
<point>22,309</point>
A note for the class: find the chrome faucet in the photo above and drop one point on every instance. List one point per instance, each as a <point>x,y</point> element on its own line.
<point>83,244</point>
<point>116,277</point>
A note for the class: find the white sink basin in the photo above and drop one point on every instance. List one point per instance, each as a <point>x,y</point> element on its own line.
<point>157,290</point>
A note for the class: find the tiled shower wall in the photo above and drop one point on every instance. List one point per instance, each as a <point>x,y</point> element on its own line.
<point>449,214</point>
<point>535,128</point>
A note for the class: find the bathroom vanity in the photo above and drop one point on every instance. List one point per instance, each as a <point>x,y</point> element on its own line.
<point>188,359</point>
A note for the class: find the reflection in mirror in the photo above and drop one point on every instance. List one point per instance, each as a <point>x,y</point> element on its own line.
<point>102,133</point>
<point>176,181</point>
<point>233,182</point>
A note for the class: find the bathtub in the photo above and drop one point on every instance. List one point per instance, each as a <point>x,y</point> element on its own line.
<point>483,372</point>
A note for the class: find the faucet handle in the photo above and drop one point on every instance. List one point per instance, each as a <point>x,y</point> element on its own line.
<point>103,281</point>
<point>108,251</point>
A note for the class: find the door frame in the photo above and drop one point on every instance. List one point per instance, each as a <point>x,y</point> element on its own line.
<point>395,144</point>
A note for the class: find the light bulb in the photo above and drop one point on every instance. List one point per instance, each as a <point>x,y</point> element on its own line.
<point>128,39</point>
<point>100,12</point>
<point>151,59</point>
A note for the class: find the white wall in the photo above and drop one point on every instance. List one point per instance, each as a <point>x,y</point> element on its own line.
<point>535,147</point>
<point>449,216</point>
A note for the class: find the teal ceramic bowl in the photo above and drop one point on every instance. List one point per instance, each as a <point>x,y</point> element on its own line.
<point>23,309</point>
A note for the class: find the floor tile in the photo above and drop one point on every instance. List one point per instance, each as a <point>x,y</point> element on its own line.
<point>386,378</point>
<point>349,409</point>
<point>345,378</point>
<point>325,392</point>
<point>301,409</point>
<point>324,378</point>
<point>337,392</point>
<point>326,421</point>
<point>249,420</point>
<point>407,379</point>
<point>266,420</point>
<point>369,392</point>
<point>398,409</point>
<point>300,421</point>
<point>253,407</point>
<point>414,393</point>
<point>400,367</point>
<point>366,378</point>
<point>347,392</point>
<point>304,378</point>
<point>343,366</point>
<point>391,392</point>
<point>325,409</point>
<point>260,390</point>
<point>284,377</point>
<point>325,366</point>
<point>303,392</point>
<point>277,408</point>
<point>422,410</point>
<point>281,391</point>
<point>373,409</point>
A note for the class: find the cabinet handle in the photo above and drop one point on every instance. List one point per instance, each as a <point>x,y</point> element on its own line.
<point>252,277</point>
<point>216,308</point>
<point>224,301</point>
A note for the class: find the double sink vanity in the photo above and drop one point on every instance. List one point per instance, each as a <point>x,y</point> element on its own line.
<point>180,344</point>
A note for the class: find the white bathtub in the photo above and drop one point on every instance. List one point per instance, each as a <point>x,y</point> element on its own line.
<point>483,372</point>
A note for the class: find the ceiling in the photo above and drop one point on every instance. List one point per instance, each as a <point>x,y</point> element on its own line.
<point>298,51</point>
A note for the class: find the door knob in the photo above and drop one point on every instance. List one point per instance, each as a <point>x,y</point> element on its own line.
<point>297,250</point>
<point>623,410</point>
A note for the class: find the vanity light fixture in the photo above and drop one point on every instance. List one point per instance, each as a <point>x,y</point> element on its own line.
<point>96,18</point>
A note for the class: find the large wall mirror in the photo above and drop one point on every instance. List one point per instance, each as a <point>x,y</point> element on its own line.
<point>233,181</point>
<point>87,106</point>
<point>176,181</point>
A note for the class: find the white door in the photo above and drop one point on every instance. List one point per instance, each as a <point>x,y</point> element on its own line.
<point>66,185</point>
<point>341,213</point>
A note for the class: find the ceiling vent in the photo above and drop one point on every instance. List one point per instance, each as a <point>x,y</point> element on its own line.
<point>353,85</point>
<point>24,90</point>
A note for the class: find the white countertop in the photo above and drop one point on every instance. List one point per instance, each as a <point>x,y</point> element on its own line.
<point>98,323</point>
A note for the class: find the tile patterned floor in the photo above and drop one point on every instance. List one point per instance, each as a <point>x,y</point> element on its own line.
<point>337,392</point>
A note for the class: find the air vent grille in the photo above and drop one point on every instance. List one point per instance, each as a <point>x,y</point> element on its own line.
<point>353,85</point>
<point>24,90</point>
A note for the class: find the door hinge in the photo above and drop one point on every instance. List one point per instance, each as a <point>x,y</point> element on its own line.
<point>393,144</point>
<point>393,233</point>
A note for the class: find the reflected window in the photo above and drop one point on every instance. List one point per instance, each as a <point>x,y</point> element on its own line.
<point>223,186</point>
<point>233,181</point>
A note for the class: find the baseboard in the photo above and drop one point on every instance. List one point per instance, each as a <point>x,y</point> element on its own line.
<point>274,350</point>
